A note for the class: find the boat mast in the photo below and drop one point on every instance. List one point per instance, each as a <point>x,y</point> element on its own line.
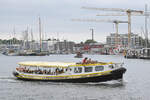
<point>27,35</point>
<point>40,33</point>
<point>32,39</point>
<point>27,38</point>
<point>146,30</point>
<point>31,35</point>
<point>14,35</point>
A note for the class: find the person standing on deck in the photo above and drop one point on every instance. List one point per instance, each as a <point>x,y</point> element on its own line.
<point>84,60</point>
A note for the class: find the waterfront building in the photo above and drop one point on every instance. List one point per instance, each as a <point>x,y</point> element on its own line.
<point>92,48</point>
<point>136,40</point>
<point>64,47</point>
<point>30,45</point>
<point>96,48</point>
<point>51,45</point>
<point>6,47</point>
<point>78,48</point>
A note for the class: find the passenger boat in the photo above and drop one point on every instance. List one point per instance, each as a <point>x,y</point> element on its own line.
<point>69,72</point>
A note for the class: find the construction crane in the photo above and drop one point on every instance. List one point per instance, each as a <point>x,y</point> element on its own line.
<point>116,22</point>
<point>129,12</point>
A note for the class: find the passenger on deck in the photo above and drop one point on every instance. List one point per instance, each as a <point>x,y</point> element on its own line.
<point>89,60</point>
<point>84,60</point>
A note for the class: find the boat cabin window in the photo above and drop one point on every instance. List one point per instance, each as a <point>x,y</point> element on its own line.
<point>99,68</point>
<point>111,66</point>
<point>88,69</point>
<point>77,69</point>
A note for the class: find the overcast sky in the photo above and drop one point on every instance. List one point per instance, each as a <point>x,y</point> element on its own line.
<point>56,18</point>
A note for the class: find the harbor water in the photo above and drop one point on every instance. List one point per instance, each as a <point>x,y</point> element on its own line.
<point>134,86</point>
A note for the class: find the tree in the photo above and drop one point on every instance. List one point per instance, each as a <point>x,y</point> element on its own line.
<point>89,41</point>
<point>10,41</point>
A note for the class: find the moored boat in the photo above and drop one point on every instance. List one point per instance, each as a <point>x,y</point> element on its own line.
<point>131,54</point>
<point>33,53</point>
<point>144,53</point>
<point>78,55</point>
<point>69,72</point>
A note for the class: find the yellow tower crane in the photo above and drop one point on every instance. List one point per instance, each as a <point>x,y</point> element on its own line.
<point>116,22</point>
<point>128,12</point>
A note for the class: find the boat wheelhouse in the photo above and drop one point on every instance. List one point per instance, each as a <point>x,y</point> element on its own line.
<point>69,72</point>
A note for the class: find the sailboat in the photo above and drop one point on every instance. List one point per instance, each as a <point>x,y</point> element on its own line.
<point>31,52</point>
<point>11,48</point>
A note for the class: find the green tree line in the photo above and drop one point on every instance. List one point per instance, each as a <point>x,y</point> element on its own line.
<point>10,41</point>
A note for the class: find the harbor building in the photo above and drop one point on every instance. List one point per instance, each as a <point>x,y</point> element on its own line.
<point>5,47</point>
<point>136,40</point>
<point>51,45</point>
<point>92,48</point>
<point>78,47</point>
<point>64,47</point>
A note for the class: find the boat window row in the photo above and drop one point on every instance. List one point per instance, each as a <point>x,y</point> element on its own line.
<point>56,71</point>
<point>88,69</point>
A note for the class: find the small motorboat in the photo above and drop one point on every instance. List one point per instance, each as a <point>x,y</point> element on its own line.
<point>69,72</point>
<point>78,55</point>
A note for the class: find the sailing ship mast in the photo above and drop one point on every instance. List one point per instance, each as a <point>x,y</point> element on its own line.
<point>40,33</point>
<point>146,30</point>
<point>13,39</point>
<point>32,39</point>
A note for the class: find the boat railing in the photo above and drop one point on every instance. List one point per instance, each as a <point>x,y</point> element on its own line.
<point>91,62</point>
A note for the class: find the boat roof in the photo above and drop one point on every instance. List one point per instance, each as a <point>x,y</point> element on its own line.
<point>59,64</point>
<point>46,64</point>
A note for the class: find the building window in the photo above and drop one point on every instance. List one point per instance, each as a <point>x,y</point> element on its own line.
<point>77,70</point>
<point>88,69</point>
<point>99,68</point>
